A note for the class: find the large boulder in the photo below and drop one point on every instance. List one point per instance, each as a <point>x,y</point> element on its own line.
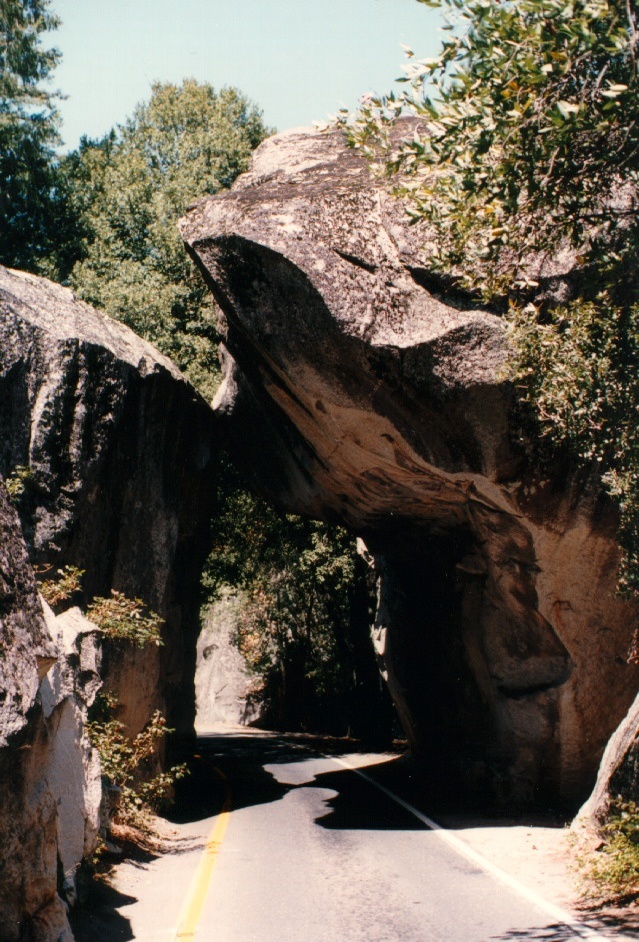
<point>119,450</point>
<point>361,388</point>
<point>618,778</point>
<point>223,682</point>
<point>107,452</point>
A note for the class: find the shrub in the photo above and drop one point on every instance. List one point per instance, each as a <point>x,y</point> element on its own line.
<point>125,619</point>
<point>17,482</point>
<point>131,789</point>
<point>56,591</point>
<point>610,872</point>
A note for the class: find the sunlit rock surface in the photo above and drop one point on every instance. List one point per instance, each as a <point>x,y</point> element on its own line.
<point>223,684</point>
<point>618,778</point>
<point>359,388</point>
<point>31,838</point>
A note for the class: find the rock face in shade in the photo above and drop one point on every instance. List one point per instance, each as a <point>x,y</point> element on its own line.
<point>360,389</point>
<point>119,449</point>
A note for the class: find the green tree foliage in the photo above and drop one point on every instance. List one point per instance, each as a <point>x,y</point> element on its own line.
<point>296,628</point>
<point>132,784</point>
<point>127,193</point>
<point>28,134</point>
<point>59,591</point>
<point>124,619</point>
<point>528,149</point>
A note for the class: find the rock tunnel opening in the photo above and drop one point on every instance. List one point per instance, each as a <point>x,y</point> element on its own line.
<point>473,668</point>
<point>425,635</point>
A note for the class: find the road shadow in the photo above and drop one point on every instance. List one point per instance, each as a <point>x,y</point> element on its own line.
<point>246,764</point>
<point>246,761</point>
<point>98,916</point>
<point>608,926</point>
<point>623,924</point>
<point>240,759</point>
<point>557,932</point>
<point>348,812</point>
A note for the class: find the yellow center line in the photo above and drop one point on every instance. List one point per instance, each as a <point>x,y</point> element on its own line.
<point>194,902</point>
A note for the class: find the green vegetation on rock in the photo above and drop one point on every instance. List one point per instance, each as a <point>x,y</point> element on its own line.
<point>124,619</point>
<point>527,157</point>
<point>17,482</point>
<point>133,786</point>
<point>300,581</point>
<point>61,589</point>
<point>127,193</point>
<point>28,135</point>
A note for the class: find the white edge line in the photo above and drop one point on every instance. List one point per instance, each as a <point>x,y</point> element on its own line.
<point>555,912</point>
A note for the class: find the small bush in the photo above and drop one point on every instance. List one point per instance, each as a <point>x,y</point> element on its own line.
<point>17,482</point>
<point>125,619</point>
<point>611,872</point>
<point>56,591</point>
<point>131,791</point>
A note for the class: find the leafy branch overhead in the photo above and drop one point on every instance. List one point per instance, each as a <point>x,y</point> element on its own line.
<point>524,162</point>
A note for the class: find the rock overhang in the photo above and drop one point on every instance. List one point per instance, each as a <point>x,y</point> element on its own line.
<point>377,378</point>
<point>361,388</point>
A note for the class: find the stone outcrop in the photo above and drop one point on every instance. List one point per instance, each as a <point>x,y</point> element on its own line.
<point>109,454</point>
<point>618,778</point>
<point>70,765</point>
<point>49,774</point>
<point>223,683</point>
<point>119,450</point>
<point>361,388</point>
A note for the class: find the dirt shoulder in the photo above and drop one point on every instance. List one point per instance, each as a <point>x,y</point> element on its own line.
<point>543,857</point>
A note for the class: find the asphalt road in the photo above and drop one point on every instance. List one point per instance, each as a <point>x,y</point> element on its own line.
<point>278,843</point>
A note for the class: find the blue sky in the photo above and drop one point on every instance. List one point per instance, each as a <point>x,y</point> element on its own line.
<point>300,60</point>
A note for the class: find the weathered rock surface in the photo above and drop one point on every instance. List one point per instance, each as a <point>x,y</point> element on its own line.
<point>119,449</point>
<point>71,766</point>
<point>618,778</point>
<point>358,389</point>
<point>49,775</point>
<point>222,681</point>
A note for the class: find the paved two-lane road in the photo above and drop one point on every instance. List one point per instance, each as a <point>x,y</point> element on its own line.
<point>313,852</point>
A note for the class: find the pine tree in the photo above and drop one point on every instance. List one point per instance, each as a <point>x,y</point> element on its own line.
<point>28,134</point>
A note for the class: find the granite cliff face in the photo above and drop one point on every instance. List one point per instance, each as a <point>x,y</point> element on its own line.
<point>223,683</point>
<point>118,451</point>
<point>49,773</point>
<point>359,388</point>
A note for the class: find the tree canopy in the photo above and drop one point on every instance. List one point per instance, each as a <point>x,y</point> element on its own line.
<point>528,146</point>
<point>127,193</point>
<point>28,133</point>
<point>531,123</point>
<point>303,627</point>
